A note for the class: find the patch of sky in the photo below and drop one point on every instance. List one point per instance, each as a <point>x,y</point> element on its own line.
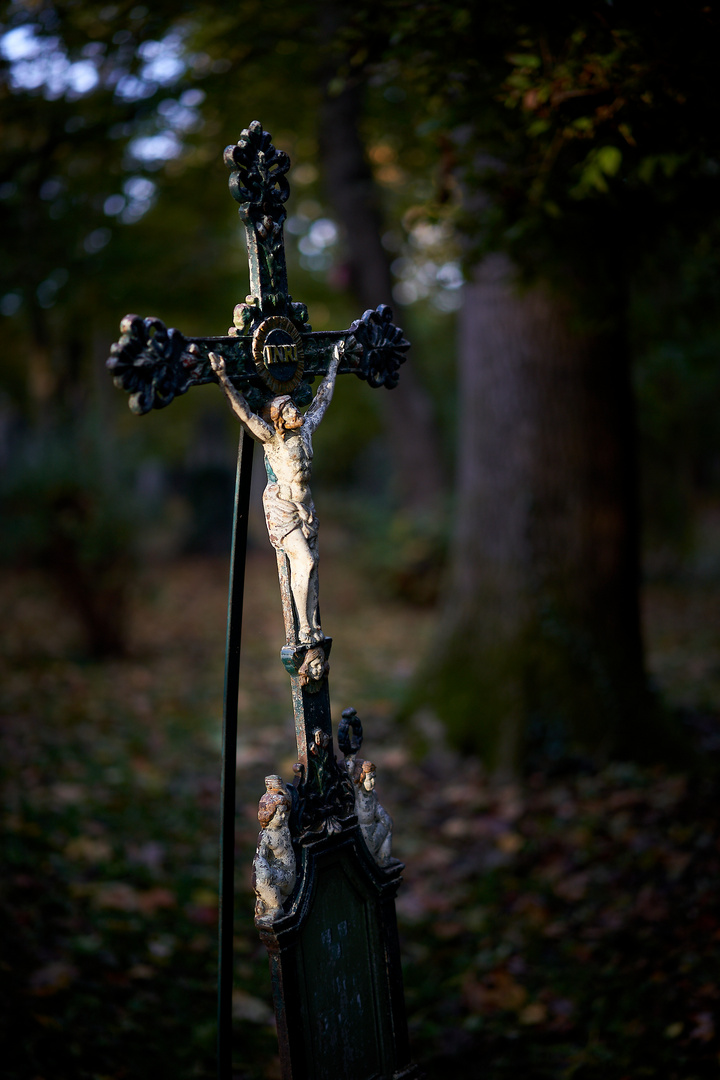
<point>164,61</point>
<point>153,150</point>
<point>134,88</point>
<point>179,116</point>
<point>114,204</point>
<point>297,224</point>
<point>190,99</point>
<point>137,197</point>
<point>426,269</point>
<point>450,275</point>
<point>38,62</point>
<point>161,64</point>
<point>322,234</point>
<point>316,244</point>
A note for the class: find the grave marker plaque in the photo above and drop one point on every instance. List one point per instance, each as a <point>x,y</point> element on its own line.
<point>324,876</point>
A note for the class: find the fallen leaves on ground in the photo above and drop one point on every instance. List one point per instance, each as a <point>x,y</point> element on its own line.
<point>564,928</point>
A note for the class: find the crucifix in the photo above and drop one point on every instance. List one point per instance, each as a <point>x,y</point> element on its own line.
<point>324,876</point>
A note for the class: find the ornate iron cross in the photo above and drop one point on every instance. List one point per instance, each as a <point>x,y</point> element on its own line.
<point>266,364</point>
<point>271,348</point>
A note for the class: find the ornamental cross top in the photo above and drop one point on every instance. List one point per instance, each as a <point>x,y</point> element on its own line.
<point>271,348</point>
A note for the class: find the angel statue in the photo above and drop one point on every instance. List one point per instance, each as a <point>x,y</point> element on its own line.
<point>374,821</point>
<point>274,868</point>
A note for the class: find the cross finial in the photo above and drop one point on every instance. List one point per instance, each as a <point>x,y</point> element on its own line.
<point>258,183</point>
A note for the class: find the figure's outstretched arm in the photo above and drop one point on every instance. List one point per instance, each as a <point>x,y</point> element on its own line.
<point>253,424</point>
<point>325,390</point>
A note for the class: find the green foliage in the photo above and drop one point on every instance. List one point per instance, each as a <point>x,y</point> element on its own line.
<point>601,163</point>
<point>110,121</point>
<point>572,131</point>
<point>100,223</point>
<point>582,131</point>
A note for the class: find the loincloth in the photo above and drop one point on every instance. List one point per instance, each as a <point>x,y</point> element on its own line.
<point>282,517</point>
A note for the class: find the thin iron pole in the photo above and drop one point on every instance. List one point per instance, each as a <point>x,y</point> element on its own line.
<point>243,478</point>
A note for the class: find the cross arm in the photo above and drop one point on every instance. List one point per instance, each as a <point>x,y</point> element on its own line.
<point>374,349</point>
<point>155,364</point>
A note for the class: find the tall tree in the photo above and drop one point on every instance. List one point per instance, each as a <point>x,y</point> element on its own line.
<point>410,422</point>
<point>584,130</point>
<point>540,639</point>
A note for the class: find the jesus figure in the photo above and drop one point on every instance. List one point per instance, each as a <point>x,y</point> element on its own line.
<point>286,437</point>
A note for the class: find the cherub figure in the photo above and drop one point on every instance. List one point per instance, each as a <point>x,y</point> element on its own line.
<point>313,669</point>
<point>375,822</point>
<point>286,437</point>
<point>274,869</point>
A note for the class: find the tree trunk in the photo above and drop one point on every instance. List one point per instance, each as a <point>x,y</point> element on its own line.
<point>540,644</point>
<point>407,410</point>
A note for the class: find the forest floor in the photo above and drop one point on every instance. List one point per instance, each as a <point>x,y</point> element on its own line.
<point>565,928</point>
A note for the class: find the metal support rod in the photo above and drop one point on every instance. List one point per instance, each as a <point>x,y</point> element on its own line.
<point>243,480</point>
